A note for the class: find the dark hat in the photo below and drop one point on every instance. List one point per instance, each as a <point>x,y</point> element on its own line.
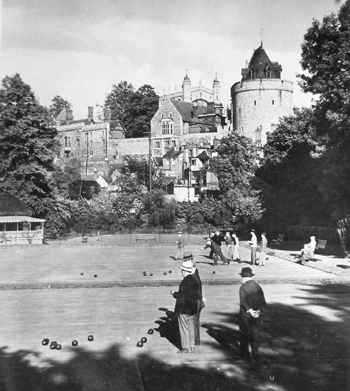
<point>252,230</point>
<point>246,272</point>
<point>188,256</point>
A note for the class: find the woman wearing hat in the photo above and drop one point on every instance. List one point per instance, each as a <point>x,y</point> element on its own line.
<point>252,301</point>
<point>186,306</point>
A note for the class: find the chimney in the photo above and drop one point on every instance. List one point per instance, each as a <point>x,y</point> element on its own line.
<point>90,113</point>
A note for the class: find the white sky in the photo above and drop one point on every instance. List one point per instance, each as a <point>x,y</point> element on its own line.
<point>79,48</point>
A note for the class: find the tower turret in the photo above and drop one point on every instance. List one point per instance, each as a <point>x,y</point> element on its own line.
<point>186,89</point>
<point>216,90</point>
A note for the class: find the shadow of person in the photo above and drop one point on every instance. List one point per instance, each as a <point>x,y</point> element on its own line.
<point>227,337</point>
<point>168,327</point>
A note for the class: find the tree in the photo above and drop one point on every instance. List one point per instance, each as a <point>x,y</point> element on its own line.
<point>27,145</point>
<point>117,102</point>
<point>235,166</point>
<point>133,110</point>
<point>290,173</point>
<point>325,58</point>
<point>57,105</point>
<point>142,106</point>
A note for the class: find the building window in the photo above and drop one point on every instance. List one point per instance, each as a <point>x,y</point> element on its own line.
<point>157,144</point>
<point>171,128</point>
<point>78,142</point>
<point>273,102</point>
<point>167,142</point>
<point>255,103</point>
<point>66,141</point>
<point>193,162</point>
<point>167,127</point>
<point>174,143</point>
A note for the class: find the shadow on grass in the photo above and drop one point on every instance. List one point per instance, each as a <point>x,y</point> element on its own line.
<point>301,350</point>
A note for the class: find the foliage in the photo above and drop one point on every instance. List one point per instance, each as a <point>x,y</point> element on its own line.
<point>57,105</point>
<point>28,145</point>
<point>325,58</point>
<point>235,165</point>
<point>67,177</point>
<point>139,169</point>
<point>133,110</point>
<point>290,172</point>
<point>160,211</point>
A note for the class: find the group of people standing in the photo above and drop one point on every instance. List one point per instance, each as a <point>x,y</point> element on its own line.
<point>253,243</point>
<point>223,247</point>
<point>226,248</point>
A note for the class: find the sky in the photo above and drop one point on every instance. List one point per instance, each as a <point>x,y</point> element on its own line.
<point>79,48</point>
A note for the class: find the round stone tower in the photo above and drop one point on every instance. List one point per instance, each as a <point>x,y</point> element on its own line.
<point>260,98</point>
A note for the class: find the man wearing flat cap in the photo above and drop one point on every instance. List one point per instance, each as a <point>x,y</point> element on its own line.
<point>186,305</point>
<point>252,301</point>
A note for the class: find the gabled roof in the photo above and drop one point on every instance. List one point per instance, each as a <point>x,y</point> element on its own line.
<point>184,108</point>
<point>12,206</point>
<point>203,156</point>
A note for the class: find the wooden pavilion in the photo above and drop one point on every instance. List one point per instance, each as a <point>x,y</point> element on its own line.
<point>17,226</point>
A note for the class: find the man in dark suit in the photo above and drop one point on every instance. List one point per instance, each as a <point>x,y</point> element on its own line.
<point>252,301</point>
<point>186,306</point>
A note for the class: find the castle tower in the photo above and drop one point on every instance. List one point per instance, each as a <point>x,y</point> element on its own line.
<point>261,98</point>
<point>216,90</point>
<point>186,89</point>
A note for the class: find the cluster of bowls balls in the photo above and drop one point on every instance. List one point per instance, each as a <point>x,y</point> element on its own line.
<point>95,275</point>
<point>143,340</point>
<point>55,345</point>
<point>151,274</point>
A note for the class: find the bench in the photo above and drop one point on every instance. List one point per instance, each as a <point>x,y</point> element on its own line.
<point>145,239</point>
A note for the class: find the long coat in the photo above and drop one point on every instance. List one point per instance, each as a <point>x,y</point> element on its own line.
<point>187,296</point>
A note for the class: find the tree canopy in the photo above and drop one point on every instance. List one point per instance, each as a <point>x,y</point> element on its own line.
<point>57,105</point>
<point>132,110</point>
<point>235,165</point>
<point>28,142</point>
<point>326,61</point>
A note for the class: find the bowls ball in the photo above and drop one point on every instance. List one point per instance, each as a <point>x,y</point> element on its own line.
<point>74,342</point>
<point>58,346</point>
<point>139,344</point>
<point>90,338</point>
<point>143,339</point>
<point>45,341</point>
<point>150,331</point>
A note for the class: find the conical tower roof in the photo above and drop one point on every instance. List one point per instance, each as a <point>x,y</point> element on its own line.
<point>261,67</point>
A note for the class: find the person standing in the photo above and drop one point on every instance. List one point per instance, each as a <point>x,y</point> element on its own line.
<point>180,245</point>
<point>253,246</point>
<point>263,249</point>
<point>186,306</point>
<point>342,235</point>
<point>229,247</point>
<point>252,302</point>
<point>235,240</point>
<point>200,303</point>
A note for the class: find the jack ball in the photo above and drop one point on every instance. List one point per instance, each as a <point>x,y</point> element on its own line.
<point>90,338</point>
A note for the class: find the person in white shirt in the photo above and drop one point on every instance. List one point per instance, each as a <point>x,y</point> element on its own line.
<point>253,246</point>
